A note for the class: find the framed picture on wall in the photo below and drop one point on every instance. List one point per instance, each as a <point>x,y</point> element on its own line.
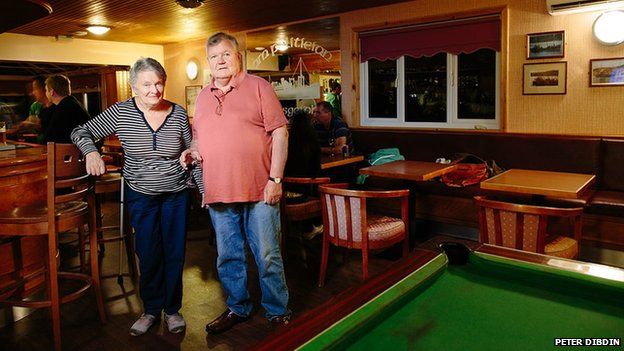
<point>190,93</point>
<point>606,72</point>
<point>544,78</point>
<point>545,45</point>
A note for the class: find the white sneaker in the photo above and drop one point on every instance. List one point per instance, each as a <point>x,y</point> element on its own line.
<point>142,324</point>
<point>175,323</point>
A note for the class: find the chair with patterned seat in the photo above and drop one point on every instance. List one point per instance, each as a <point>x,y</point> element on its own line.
<point>69,203</point>
<point>347,223</point>
<point>524,227</point>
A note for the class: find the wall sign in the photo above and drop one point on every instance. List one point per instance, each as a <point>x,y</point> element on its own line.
<point>294,43</point>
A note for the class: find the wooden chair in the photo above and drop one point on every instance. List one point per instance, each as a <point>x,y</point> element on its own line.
<point>347,223</point>
<point>524,227</point>
<point>70,204</point>
<point>292,210</point>
<point>309,208</point>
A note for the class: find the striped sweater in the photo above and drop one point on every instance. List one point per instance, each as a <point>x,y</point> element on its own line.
<point>150,156</point>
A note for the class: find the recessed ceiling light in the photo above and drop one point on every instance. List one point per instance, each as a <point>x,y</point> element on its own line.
<point>98,30</point>
<point>259,48</point>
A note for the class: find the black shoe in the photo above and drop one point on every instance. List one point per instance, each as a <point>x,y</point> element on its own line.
<point>279,322</point>
<point>224,322</point>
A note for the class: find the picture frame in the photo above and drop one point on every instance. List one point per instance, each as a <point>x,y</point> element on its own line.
<point>607,72</point>
<point>548,78</point>
<point>190,94</point>
<point>545,45</point>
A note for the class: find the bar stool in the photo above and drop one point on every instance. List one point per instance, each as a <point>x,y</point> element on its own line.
<point>69,204</point>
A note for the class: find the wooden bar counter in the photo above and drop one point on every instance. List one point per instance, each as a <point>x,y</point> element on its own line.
<point>23,175</point>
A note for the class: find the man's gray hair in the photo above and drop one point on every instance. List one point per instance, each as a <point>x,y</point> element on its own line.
<point>217,38</point>
<point>147,64</point>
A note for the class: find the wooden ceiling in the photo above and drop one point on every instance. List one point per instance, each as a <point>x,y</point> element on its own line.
<point>16,13</point>
<point>164,21</point>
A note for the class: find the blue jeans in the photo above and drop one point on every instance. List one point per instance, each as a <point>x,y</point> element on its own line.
<point>257,223</point>
<point>159,223</point>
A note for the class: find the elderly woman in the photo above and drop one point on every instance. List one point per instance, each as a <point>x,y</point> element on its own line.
<point>153,133</point>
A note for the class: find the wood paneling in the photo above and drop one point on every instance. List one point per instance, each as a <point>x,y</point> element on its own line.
<point>19,12</point>
<point>164,21</point>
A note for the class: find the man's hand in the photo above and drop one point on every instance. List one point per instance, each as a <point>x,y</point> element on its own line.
<point>95,164</point>
<point>272,192</point>
<point>188,157</point>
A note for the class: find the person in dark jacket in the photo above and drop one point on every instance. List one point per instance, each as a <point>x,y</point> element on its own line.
<point>304,151</point>
<point>68,113</point>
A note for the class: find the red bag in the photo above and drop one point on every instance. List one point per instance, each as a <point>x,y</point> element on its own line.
<point>467,173</point>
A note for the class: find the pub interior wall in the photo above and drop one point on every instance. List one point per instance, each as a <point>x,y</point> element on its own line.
<point>582,110</point>
<point>21,47</point>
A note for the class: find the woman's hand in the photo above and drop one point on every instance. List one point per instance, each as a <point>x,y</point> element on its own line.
<point>95,164</point>
<point>188,157</point>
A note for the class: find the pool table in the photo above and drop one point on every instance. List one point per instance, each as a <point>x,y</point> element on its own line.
<point>501,299</point>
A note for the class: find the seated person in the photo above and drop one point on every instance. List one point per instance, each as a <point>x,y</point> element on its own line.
<point>304,152</point>
<point>331,131</point>
<point>304,161</point>
<point>68,113</point>
<point>304,155</point>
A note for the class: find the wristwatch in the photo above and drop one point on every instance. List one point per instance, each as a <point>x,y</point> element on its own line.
<point>276,180</point>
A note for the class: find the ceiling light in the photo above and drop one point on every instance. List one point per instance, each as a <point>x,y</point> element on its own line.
<point>98,30</point>
<point>259,48</point>
<point>190,4</point>
<point>608,28</point>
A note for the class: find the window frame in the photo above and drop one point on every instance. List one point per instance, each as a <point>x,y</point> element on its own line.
<point>452,119</point>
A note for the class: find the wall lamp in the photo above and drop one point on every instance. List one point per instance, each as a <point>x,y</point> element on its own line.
<point>608,28</point>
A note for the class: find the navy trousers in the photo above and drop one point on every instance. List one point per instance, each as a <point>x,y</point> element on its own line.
<point>159,223</point>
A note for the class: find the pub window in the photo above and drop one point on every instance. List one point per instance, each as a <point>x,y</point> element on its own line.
<point>440,75</point>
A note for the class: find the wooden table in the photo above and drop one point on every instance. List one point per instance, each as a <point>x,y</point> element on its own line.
<point>540,183</point>
<point>328,162</point>
<point>409,170</point>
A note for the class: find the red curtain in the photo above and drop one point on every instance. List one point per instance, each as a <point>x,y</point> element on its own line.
<point>455,37</point>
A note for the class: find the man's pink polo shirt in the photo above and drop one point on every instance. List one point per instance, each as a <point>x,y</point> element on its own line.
<point>236,145</point>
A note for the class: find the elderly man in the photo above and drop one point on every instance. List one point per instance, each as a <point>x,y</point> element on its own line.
<point>239,130</point>
<point>68,113</point>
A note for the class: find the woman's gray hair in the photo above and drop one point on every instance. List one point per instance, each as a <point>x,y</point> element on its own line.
<point>146,64</point>
<point>217,38</point>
